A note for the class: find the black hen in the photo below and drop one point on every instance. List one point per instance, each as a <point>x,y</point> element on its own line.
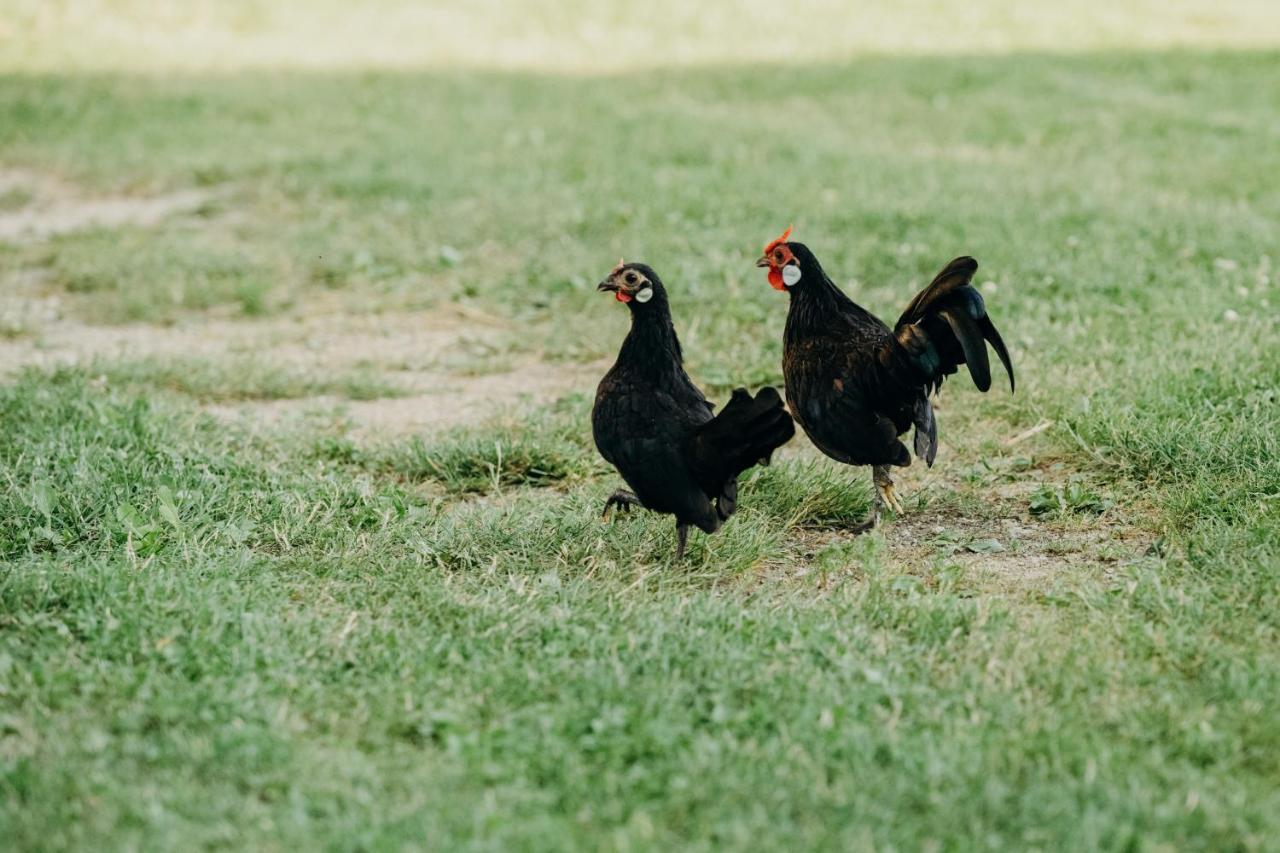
<point>854,384</point>
<point>654,425</point>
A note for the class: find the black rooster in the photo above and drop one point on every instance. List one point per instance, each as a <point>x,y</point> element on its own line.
<point>654,425</point>
<point>854,384</point>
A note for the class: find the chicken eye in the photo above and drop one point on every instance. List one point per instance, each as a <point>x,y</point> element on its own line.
<point>631,278</point>
<point>777,256</point>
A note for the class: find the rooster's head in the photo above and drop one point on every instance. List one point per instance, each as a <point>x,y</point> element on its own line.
<point>782,263</point>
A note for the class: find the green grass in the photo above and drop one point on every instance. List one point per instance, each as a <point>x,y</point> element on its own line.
<point>132,275</point>
<point>202,633</point>
<point>512,451</point>
<point>287,638</point>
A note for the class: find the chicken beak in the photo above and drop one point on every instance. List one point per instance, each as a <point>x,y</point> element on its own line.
<point>763,261</point>
<point>620,292</point>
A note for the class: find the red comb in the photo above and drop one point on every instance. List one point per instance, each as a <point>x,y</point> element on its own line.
<point>781,239</point>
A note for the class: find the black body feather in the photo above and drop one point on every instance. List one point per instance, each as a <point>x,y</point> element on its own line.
<point>653,424</point>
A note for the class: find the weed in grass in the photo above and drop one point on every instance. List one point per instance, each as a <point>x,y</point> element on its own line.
<point>1075,497</point>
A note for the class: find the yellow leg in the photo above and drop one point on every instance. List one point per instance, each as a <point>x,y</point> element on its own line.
<point>884,489</point>
<point>891,499</point>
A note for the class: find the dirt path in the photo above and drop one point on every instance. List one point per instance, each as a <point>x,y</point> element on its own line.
<point>36,206</point>
<point>456,366</point>
<point>453,366</point>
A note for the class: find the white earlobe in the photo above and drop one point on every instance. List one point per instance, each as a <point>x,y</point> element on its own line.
<point>644,295</point>
<point>790,274</point>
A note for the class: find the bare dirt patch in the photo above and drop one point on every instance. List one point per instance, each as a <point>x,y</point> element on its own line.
<point>986,528</point>
<point>44,206</point>
<point>454,366</point>
<point>1013,552</point>
<point>449,401</point>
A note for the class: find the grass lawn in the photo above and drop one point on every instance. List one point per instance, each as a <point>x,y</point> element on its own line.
<point>300,632</point>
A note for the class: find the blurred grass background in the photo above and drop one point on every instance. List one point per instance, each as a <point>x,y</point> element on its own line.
<point>577,36</point>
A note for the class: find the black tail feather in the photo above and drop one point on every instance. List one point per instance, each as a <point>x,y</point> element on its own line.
<point>997,343</point>
<point>926,442</point>
<point>946,325</point>
<point>745,432</point>
<point>972,344</point>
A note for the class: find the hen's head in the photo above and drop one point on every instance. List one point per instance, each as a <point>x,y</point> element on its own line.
<point>635,284</point>
<point>788,263</point>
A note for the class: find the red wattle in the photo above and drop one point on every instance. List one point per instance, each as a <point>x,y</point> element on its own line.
<point>775,279</point>
<point>621,297</point>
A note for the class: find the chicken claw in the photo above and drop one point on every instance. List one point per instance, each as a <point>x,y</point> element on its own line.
<point>624,500</point>
<point>885,493</point>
